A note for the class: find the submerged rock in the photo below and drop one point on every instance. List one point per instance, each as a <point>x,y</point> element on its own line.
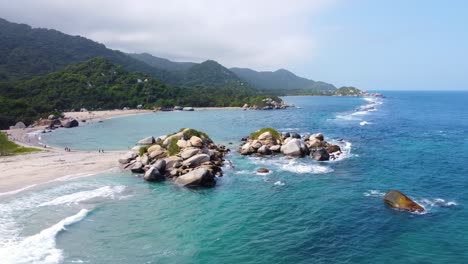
<point>262,170</point>
<point>400,201</point>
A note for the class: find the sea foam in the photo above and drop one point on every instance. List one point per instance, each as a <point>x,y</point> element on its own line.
<point>40,248</point>
<point>106,191</point>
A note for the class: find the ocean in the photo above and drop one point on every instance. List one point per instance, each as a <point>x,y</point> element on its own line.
<point>303,211</point>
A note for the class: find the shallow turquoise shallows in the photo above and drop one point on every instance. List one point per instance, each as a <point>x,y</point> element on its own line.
<point>302,212</point>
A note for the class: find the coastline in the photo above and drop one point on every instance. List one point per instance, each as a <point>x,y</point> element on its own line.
<point>21,172</point>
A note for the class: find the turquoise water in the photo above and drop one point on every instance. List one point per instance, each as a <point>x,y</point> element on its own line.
<point>302,212</point>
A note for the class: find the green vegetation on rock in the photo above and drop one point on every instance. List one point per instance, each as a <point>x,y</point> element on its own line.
<point>8,148</point>
<point>142,151</point>
<point>173,148</point>
<point>256,134</point>
<point>192,132</point>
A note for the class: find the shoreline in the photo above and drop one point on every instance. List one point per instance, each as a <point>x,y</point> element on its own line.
<point>22,172</point>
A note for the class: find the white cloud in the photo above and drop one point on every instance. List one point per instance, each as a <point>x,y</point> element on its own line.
<point>264,34</point>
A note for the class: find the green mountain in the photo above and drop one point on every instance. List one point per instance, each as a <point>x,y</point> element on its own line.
<point>208,73</point>
<point>349,91</point>
<point>162,63</point>
<point>101,84</point>
<point>280,80</point>
<point>26,52</point>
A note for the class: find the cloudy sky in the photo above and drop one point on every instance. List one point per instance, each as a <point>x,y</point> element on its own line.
<point>375,45</point>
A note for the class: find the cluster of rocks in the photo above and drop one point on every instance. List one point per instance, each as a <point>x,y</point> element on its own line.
<point>268,104</point>
<point>189,158</point>
<point>53,122</point>
<point>269,142</point>
<point>175,108</point>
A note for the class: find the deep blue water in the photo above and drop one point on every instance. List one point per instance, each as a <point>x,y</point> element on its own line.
<point>302,212</point>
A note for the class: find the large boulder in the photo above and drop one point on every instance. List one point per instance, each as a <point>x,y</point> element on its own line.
<point>154,148</point>
<point>318,136</point>
<point>400,201</point>
<point>169,139</point>
<point>137,167</point>
<point>172,162</point>
<point>266,138</point>
<point>275,148</point>
<point>182,143</point>
<point>20,125</point>
<point>264,150</point>
<point>146,141</point>
<point>256,144</point>
<point>144,159</point>
<point>196,160</point>
<point>197,177</point>
<point>188,153</point>
<point>292,148</point>
<point>320,155</point>
<point>246,149</point>
<point>160,165</point>
<point>157,154</point>
<point>196,142</point>
<point>127,157</point>
<point>69,123</point>
<point>153,174</point>
<point>314,143</point>
<point>333,149</point>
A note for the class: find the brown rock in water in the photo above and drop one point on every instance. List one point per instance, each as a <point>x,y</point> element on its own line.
<point>400,201</point>
<point>263,170</point>
<point>333,149</point>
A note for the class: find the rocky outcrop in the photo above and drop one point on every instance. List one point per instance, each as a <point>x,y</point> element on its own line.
<point>268,141</point>
<point>70,122</point>
<point>194,161</point>
<point>400,201</point>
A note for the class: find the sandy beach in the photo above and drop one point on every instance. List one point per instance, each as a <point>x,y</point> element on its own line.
<point>23,171</point>
<point>104,114</point>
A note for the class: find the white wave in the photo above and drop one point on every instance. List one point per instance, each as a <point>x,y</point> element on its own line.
<point>106,191</point>
<point>279,183</point>
<point>40,248</point>
<point>345,147</point>
<point>361,110</point>
<point>242,172</point>
<point>17,190</point>
<point>296,165</point>
<point>363,123</point>
<point>83,175</point>
<point>437,202</point>
<point>374,193</point>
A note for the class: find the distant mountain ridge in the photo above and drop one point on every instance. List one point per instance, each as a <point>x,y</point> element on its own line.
<point>280,80</point>
<point>26,52</point>
<point>264,80</point>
